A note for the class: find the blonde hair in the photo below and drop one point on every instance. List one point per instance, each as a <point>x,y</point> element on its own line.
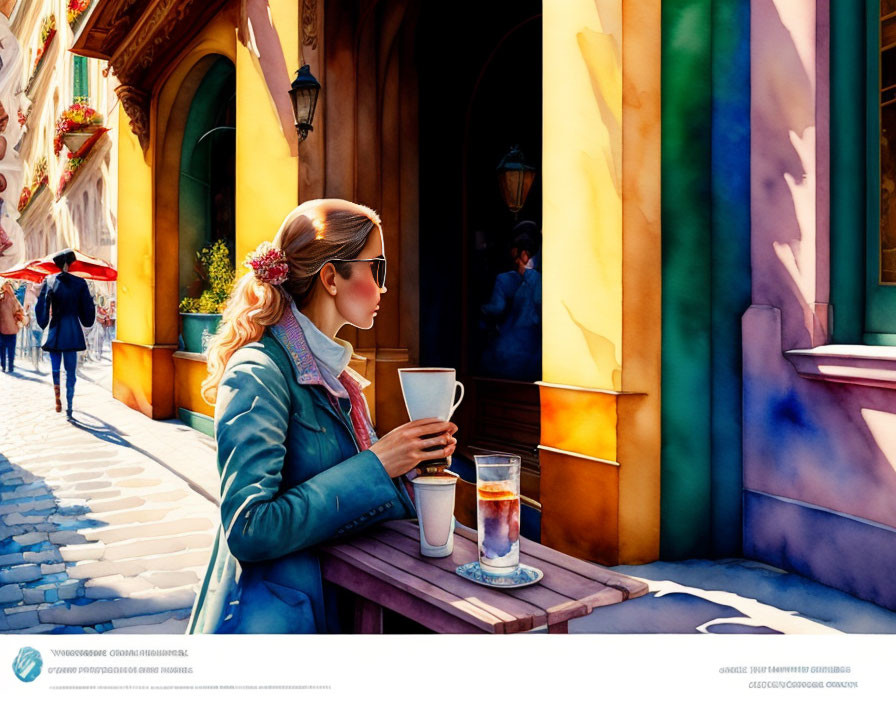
<point>313,234</point>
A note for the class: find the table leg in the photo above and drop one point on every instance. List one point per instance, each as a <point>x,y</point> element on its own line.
<point>559,627</point>
<point>368,616</point>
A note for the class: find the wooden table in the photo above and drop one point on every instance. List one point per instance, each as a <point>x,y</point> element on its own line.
<point>384,568</point>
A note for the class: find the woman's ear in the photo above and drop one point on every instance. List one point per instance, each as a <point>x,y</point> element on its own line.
<point>328,278</point>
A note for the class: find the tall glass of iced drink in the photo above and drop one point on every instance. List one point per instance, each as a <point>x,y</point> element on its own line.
<point>498,513</point>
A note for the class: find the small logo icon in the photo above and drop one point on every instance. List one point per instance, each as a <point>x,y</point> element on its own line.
<point>27,664</point>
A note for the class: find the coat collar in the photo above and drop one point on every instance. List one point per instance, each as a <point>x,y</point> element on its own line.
<point>289,334</point>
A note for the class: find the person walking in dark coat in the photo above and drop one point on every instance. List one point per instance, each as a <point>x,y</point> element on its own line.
<point>65,304</point>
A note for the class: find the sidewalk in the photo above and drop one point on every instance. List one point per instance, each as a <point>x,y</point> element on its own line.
<point>106,525</point>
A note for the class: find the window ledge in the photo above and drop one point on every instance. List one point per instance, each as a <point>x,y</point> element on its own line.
<point>192,356</point>
<point>847,364</point>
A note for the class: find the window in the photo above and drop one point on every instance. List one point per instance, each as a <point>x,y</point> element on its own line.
<point>880,274</point>
<point>863,171</point>
<point>80,84</point>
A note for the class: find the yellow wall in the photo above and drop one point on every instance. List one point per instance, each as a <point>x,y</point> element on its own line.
<point>135,239</point>
<point>267,176</point>
<point>138,367</point>
<point>600,394</point>
<point>266,190</point>
<point>639,412</point>
<point>582,149</point>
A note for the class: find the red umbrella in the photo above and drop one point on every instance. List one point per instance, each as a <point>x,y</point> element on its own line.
<point>84,266</point>
<point>24,274</point>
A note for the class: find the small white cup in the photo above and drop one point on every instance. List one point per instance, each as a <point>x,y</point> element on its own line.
<point>434,497</point>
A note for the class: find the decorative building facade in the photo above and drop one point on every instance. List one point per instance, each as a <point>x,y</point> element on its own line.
<point>68,196</point>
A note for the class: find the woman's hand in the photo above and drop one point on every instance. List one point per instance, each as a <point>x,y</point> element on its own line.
<point>403,448</point>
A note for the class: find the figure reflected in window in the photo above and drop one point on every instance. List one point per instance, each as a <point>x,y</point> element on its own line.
<point>512,315</point>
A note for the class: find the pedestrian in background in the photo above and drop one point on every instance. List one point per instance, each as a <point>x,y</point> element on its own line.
<point>514,349</point>
<point>33,332</point>
<point>65,304</point>
<point>105,318</point>
<point>11,319</point>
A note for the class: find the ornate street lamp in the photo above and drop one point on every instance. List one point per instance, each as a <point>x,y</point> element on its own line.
<point>515,178</point>
<point>304,92</point>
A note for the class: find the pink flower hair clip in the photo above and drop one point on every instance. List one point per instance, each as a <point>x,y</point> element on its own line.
<point>268,264</point>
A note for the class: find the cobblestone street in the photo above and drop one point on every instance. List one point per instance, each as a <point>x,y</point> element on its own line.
<point>106,522</point>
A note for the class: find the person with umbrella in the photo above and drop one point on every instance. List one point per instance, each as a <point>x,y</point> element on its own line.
<point>65,304</point>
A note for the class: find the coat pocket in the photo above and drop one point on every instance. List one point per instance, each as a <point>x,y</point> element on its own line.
<point>308,422</point>
<point>305,449</point>
<point>288,595</point>
<point>274,608</point>
<point>313,446</point>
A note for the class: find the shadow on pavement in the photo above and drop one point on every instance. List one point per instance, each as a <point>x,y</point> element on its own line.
<point>102,430</point>
<point>30,375</point>
<point>29,556</point>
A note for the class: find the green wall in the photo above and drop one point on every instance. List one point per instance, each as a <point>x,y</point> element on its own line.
<point>848,186</point>
<point>706,272</point>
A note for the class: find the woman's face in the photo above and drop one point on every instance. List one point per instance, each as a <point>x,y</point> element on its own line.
<point>358,296</point>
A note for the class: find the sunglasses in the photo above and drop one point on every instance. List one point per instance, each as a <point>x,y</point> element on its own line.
<point>377,268</point>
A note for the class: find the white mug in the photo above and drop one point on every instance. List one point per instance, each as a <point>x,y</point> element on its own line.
<point>429,392</point>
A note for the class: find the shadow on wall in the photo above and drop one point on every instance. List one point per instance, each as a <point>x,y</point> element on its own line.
<point>818,458</point>
<point>783,184</point>
<point>794,451</point>
<point>258,34</point>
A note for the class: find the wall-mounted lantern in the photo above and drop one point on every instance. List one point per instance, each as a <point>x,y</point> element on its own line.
<point>304,92</point>
<point>515,178</point>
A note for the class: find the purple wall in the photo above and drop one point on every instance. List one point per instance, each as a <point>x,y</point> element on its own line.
<point>819,474</point>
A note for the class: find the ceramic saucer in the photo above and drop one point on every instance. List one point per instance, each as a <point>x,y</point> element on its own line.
<point>523,577</point>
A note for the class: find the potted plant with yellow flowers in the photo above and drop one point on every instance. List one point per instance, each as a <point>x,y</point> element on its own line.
<point>201,316</point>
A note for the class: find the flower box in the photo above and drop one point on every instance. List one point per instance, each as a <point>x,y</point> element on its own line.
<point>33,193</point>
<point>197,329</point>
<point>47,32</point>
<point>75,12</point>
<point>76,159</point>
<point>78,117</point>
<point>75,140</point>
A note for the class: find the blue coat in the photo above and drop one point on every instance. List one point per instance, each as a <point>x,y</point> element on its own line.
<point>515,304</point>
<point>291,479</point>
<point>66,304</point>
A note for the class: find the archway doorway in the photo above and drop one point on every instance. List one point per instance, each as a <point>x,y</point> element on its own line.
<point>194,175</point>
<point>207,172</point>
<point>473,109</point>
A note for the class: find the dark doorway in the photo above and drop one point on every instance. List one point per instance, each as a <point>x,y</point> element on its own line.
<point>480,94</point>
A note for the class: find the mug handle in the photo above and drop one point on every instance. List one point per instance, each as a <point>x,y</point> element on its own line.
<point>457,386</point>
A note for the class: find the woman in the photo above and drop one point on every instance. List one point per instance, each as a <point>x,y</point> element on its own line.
<point>299,461</point>
<point>64,303</point>
<point>11,317</point>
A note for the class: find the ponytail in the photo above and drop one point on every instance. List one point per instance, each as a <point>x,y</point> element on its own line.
<point>252,307</point>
